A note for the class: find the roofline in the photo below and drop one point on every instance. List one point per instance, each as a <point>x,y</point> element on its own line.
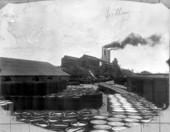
<point>150,76</point>
<point>71,57</point>
<point>54,68</point>
<point>91,57</point>
<point>24,59</point>
<point>35,75</point>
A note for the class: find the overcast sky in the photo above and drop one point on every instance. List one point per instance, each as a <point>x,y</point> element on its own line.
<point>46,31</point>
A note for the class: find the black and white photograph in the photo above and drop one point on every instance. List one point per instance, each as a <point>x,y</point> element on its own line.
<point>84,65</point>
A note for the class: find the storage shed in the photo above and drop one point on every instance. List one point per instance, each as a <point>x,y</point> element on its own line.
<point>28,77</point>
<point>153,87</point>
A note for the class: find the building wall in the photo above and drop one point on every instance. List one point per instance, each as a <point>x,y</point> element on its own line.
<point>153,89</point>
<point>161,91</point>
<point>148,90</point>
<point>68,62</point>
<point>25,79</point>
<point>35,85</point>
<point>20,79</point>
<point>79,68</point>
<point>89,62</point>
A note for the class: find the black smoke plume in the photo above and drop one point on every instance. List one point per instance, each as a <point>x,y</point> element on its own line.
<point>135,40</point>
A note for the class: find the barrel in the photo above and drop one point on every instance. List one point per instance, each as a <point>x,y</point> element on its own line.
<point>92,101</point>
<point>79,124</point>
<point>99,131</point>
<point>72,103</point>
<point>51,103</point>
<point>21,89</point>
<point>28,102</point>
<point>19,103</point>
<point>36,103</point>
<point>69,120</point>
<point>57,114</point>
<point>3,105</point>
<point>42,124</point>
<point>10,106</point>
<point>14,100</point>
<point>59,125</point>
<point>102,127</point>
<point>75,129</point>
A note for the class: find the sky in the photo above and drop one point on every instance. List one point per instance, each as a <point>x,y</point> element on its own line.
<point>46,31</point>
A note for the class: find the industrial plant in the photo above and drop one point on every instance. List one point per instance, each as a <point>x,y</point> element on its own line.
<point>82,94</point>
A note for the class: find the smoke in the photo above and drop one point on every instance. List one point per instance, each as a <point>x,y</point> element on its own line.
<point>135,40</point>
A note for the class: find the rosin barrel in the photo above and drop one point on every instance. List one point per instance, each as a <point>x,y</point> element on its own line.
<point>41,124</point>
<point>3,106</point>
<point>75,129</point>
<point>10,106</point>
<point>37,103</point>
<point>19,102</point>
<point>92,101</point>
<point>21,89</point>
<point>59,125</point>
<point>28,101</point>
<point>67,103</point>
<point>75,103</point>
<point>51,103</point>
<point>14,100</point>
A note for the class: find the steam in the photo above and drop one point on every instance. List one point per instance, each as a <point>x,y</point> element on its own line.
<point>135,40</point>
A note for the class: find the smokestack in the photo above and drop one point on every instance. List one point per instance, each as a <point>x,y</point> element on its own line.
<point>131,39</point>
<point>105,54</point>
<point>135,40</point>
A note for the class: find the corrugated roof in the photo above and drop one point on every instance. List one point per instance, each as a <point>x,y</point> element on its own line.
<point>19,67</point>
<point>150,76</point>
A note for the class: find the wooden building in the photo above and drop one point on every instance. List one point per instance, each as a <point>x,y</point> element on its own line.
<point>153,87</point>
<point>27,77</point>
<point>69,61</point>
<point>89,61</point>
<point>89,66</point>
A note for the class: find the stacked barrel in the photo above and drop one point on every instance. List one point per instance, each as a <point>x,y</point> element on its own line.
<point>75,99</point>
<point>68,121</point>
<point>6,105</point>
<point>30,96</point>
<point>32,88</point>
<point>42,98</point>
<point>130,110</point>
<point>124,111</point>
<point>83,120</point>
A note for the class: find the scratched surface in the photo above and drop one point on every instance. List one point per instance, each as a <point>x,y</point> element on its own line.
<point>48,30</point>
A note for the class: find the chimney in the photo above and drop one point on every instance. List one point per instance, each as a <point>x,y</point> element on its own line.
<point>105,54</point>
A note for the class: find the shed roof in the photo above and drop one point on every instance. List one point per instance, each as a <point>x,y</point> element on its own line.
<point>70,57</point>
<point>19,67</point>
<point>151,76</point>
